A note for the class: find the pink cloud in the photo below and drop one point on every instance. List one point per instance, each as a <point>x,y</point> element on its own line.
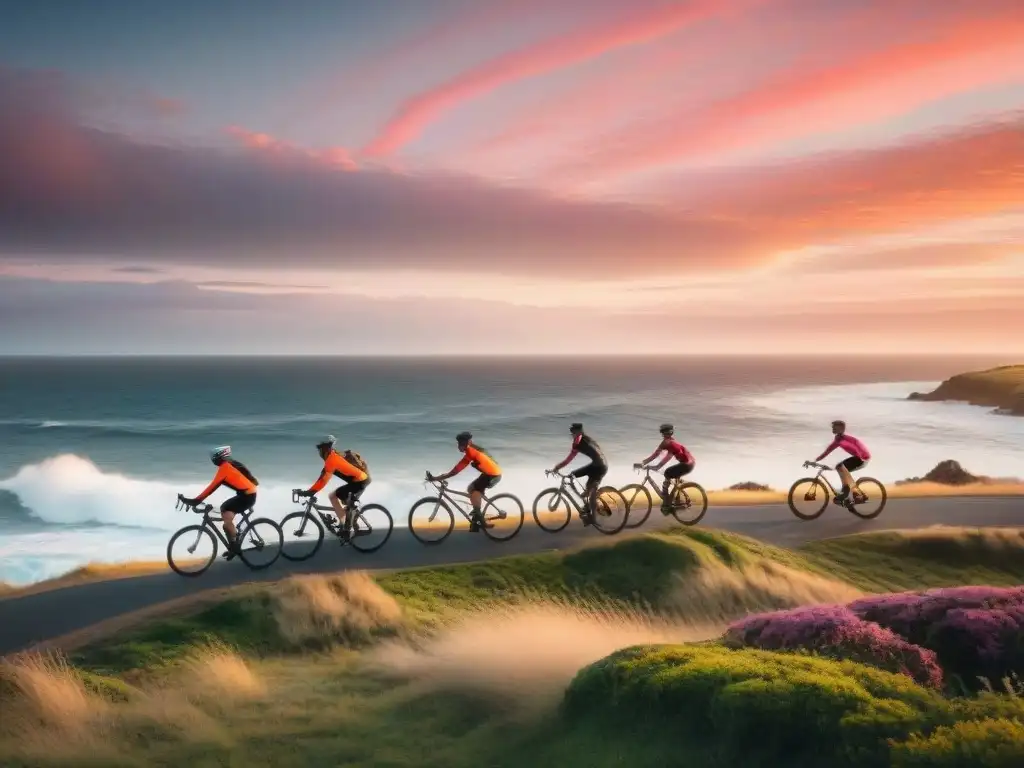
<point>909,74</point>
<point>338,157</point>
<point>640,27</point>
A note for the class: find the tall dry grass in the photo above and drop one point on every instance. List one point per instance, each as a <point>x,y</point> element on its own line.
<point>348,607</point>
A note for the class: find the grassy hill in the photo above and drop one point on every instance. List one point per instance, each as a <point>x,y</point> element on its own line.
<point>605,656</point>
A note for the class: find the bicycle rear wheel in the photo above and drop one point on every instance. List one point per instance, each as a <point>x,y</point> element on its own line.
<point>689,503</point>
<point>371,528</point>
<point>260,543</point>
<point>551,510</point>
<point>808,498</point>
<point>638,500</point>
<point>505,514</point>
<point>190,540</point>
<point>303,536</point>
<point>612,511</point>
<point>431,520</point>
<point>873,505</point>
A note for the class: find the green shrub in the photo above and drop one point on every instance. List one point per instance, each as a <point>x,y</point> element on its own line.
<point>969,744</point>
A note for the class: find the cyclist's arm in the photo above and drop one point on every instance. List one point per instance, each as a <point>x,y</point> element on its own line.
<point>572,454</point>
<point>216,483</point>
<point>320,481</point>
<point>832,447</point>
<point>653,456</point>
<point>456,469</point>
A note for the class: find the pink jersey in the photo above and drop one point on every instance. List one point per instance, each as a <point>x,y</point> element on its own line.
<point>851,445</point>
<point>677,449</point>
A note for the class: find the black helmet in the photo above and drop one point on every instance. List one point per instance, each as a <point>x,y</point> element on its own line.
<point>464,437</point>
<point>576,427</point>
<point>666,429</point>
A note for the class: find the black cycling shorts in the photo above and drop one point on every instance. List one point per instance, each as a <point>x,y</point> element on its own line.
<point>350,491</point>
<point>851,463</point>
<point>678,470</point>
<point>484,482</point>
<point>593,471</point>
<point>239,503</point>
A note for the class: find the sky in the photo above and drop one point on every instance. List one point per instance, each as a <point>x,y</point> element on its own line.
<point>511,177</point>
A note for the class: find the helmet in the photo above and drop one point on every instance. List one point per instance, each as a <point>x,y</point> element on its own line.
<point>221,453</point>
<point>328,440</point>
<point>666,429</point>
<point>576,427</point>
<point>464,437</point>
<point>840,424</point>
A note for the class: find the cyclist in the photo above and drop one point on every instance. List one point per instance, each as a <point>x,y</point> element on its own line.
<point>236,476</point>
<point>490,475</point>
<point>594,471</point>
<point>674,448</point>
<point>858,459</point>
<point>356,479</point>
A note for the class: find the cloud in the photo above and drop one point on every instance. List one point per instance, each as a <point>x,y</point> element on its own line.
<point>67,189</point>
<point>553,54</point>
<point>874,84</point>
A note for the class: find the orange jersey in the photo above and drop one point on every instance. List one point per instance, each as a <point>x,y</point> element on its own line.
<point>480,460</point>
<point>335,464</point>
<point>235,475</point>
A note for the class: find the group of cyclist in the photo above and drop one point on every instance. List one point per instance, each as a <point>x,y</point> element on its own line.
<point>354,472</point>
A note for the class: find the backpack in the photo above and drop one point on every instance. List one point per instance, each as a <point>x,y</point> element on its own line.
<point>356,460</point>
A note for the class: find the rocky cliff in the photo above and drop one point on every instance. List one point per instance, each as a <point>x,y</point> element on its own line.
<point>1001,388</point>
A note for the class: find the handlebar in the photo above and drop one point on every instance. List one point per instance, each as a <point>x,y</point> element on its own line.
<point>648,469</point>
<point>297,498</point>
<point>439,483</point>
<point>199,508</point>
<point>816,465</point>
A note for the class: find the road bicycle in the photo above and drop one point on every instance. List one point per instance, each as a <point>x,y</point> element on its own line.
<point>367,528</point>
<point>259,541</point>
<point>552,512</point>
<point>689,501</point>
<point>868,490</point>
<point>431,519</point>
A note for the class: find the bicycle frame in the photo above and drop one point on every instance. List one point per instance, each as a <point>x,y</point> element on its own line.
<point>309,504</point>
<point>674,484</point>
<point>447,494</point>
<point>211,523</point>
<point>567,488</point>
<point>822,469</point>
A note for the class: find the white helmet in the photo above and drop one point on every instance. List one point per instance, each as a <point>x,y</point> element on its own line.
<point>328,440</point>
<point>221,453</point>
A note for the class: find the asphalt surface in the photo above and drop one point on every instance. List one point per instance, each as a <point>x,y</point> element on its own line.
<point>44,616</point>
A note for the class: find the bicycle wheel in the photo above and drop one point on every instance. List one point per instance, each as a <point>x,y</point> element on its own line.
<point>812,493</point>
<point>372,528</point>
<point>260,543</point>
<point>431,520</point>
<point>639,501</point>
<point>612,511</point>
<point>873,505</point>
<point>689,503</point>
<point>303,536</point>
<point>505,514</point>
<point>551,510</point>
<point>205,543</point>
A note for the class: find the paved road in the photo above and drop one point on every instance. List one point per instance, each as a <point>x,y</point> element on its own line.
<point>48,615</point>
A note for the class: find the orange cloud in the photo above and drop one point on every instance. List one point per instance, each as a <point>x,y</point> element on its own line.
<point>642,27</point>
<point>728,125</point>
<point>338,157</point>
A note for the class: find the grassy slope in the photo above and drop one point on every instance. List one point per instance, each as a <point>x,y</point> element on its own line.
<point>328,709</point>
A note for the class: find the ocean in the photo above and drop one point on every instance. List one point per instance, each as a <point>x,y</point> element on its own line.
<point>93,451</point>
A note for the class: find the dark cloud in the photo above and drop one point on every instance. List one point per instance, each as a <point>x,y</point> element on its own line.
<point>67,189</point>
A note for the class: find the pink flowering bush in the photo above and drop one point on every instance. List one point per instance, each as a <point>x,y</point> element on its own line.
<point>976,632</point>
<point>836,632</point>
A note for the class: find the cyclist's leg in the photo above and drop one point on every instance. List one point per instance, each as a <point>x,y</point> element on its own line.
<point>476,491</point>
<point>340,500</point>
<point>672,473</point>
<point>588,471</point>
<point>845,469</point>
<point>237,504</point>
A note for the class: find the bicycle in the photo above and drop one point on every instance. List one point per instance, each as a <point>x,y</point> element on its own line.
<point>568,492</point>
<point>819,483</point>
<point>362,523</point>
<point>446,499</point>
<point>689,500</point>
<point>267,538</point>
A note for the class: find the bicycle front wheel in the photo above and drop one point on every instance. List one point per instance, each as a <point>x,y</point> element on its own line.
<point>303,536</point>
<point>551,510</point>
<point>689,503</point>
<point>260,543</point>
<point>192,550</point>
<point>638,500</point>
<point>431,520</point>
<point>612,511</point>
<point>808,498</point>
<point>372,528</point>
<point>874,501</point>
<point>505,514</point>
